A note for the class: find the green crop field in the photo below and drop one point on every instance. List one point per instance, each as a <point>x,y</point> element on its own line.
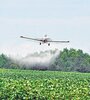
<point>43,85</point>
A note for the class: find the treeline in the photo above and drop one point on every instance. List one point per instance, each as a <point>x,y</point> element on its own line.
<point>72,60</point>
<point>67,60</point>
<point>6,62</point>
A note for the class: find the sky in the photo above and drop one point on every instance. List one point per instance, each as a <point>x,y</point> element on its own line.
<point>59,19</point>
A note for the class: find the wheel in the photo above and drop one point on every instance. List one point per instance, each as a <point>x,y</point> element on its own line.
<point>40,43</point>
<point>48,44</point>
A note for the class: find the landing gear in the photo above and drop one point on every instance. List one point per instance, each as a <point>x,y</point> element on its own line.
<point>40,43</point>
<point>48,44</point>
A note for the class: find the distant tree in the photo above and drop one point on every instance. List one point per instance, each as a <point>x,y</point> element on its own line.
<point>72,60</point>
<point>3,60</point>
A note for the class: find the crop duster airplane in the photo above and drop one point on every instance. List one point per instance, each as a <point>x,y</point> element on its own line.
<point>44,40</point>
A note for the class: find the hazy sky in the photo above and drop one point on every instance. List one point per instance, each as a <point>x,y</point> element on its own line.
<point>59,19</point>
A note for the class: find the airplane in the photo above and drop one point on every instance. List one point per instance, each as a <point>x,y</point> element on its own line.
<point>44,40</point>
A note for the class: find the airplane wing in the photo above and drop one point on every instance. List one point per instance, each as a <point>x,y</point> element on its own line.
<point>60,41</point>
<point>30,38</point>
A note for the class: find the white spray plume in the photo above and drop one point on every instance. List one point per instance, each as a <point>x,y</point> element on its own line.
<point>38,59</point>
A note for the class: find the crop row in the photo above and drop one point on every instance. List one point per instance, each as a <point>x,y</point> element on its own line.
<point>43,85</point>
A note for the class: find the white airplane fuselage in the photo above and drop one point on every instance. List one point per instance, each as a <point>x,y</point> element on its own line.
<point>45,40</point>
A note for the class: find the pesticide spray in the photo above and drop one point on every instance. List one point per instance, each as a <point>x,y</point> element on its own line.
<point>40,60</point>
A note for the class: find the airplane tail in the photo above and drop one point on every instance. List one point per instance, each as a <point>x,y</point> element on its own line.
<point>45,35</point>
